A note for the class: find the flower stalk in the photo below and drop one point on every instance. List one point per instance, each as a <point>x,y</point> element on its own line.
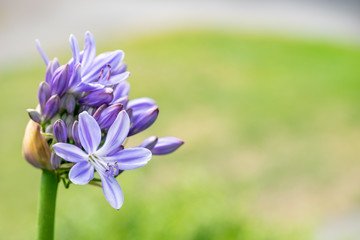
<point>46,206</point>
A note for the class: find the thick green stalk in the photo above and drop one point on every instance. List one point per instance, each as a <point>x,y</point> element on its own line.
<point>46,207</point>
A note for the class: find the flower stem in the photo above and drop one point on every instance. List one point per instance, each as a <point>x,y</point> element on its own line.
<point>46,207</point>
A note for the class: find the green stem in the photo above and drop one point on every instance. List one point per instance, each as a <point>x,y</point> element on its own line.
<point>46,207</point>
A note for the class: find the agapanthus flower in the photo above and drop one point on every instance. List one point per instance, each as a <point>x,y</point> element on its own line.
<point>107,160</point>
<point>83,119</point>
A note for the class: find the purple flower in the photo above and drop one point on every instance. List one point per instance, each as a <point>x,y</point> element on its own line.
<point>107,159</point>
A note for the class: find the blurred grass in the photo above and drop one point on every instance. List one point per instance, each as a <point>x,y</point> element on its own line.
<point>271,127</point>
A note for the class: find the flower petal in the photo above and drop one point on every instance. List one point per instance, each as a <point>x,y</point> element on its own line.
<point>116,79</point>
<point>130,158</point>
<point>81,173</point>
<point>116,134</point>
<point>102,60</point>
<point>89,132</point>
<point>41,51</point>
<point>112,191</point>
<point>89,51</point>
<point>75,49</point>
<point>70,152</point>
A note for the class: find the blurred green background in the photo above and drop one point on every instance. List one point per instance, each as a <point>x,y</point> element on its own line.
<point>271,128</point>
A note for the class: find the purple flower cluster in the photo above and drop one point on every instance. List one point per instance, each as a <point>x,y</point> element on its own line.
<point>86,115</point>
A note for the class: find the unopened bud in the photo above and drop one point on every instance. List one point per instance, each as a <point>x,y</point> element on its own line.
<point>143,120</point>
<point>97,97</point>
<point>60,132</point>
<point>51,107</point>
<point>34,115</point>
<point>149,143</point>
<point>166,145</point>
<point>35,148</point>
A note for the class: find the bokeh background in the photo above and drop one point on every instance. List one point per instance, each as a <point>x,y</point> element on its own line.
<point>264,93</point>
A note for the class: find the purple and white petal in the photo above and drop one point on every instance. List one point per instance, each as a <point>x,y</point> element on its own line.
<point>116,134</point>
<point>116,79</point>
<point>130,158</point>
<point>75,49</point>
<point>41,51</point>
<point>101,61</point>
<point>166,145</point>
<point>89,51</point>
<point>89,132</point>
<point>112,191</point>
<point>70,152</point>
<point>81,173</point>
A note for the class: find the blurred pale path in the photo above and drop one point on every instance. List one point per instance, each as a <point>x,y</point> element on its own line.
<point>22,21</point>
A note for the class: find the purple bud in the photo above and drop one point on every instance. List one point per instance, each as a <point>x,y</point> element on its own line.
<point>140,104</point>
<point>43,94</point>
<point>143,120</point>
<point>149,143</point>
<point>97,97</point>
<point>60,80</point>
<point>49,129</point>
<point>121,90</point>
<point>59,131</point>
<point>108,115</point>
<point>69,121</point>
<point>34,115</point>
<point>55,160</point>
<point>51,107</point>
<point>98,111</point>
<point>51,67</point>
<point>75,134</point>
<point>166,145</point>
<point>70,103</point>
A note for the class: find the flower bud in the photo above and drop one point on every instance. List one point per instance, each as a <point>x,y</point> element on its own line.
<point>138,105</point>
<point>75,134</point>
<point>97,97</point>
<point>43,94</point>
<point>51,108</point>
<point>166,145</point>
<point>108,115</point>
<point>70,103</point>
<point>121,92</point>
<point>51,67</point>
<point>59,131</point>
<point>149,143</point>
<point>69,121</point>
<point>35,148</point>
<point>143,120</point>
<point>60,80</point>
<point>34,115</point>
<point>55,160</point>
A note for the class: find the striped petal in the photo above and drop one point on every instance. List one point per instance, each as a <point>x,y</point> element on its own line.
<point>130,158</point>
<point>112,191</point>
<point>89,132</point>
<point>70,152</point>
<point>116,134</point>
<point>81,173</point>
